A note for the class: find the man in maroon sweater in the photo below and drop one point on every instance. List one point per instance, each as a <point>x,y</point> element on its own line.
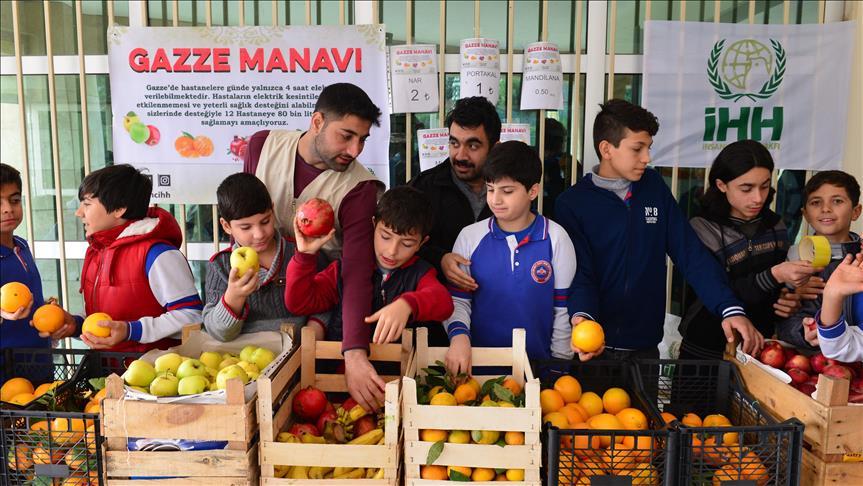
<point>320,163</point>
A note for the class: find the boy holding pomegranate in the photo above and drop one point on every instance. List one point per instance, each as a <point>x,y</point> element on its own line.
<point>522,262</point>
<point>245,289</point>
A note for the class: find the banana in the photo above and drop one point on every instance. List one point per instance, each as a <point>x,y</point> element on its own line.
<point>379,474</point>
<point>287,437</point>
<point>318,472</point>
<point>370,472</point>
<point>381,442</point>
<point>356,413</point>
<point>370,437</point>
<point>354,474</point>
<point>282,471</point>
<point>312,439</point>
<point>339,471</point>
<point>299,472</point>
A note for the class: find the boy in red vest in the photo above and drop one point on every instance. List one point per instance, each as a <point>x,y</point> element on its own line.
<point>133,270</point>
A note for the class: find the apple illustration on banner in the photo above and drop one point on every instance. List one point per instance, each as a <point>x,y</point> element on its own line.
<point>245,259</point>
<point>315,217</point>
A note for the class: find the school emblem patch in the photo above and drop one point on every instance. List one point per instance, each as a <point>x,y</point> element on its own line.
<point>541,272</point>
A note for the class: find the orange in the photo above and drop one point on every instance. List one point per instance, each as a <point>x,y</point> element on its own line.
<point>754,470</point>
<point>615,400</point>
<point>510,384</point>
<point>475,384</point>
<point>464,393</point>
<point>91,325</point>
<point>44,388</point>
<point>585,446</point>
<point>569,388</point>
<point>590,468</point>
<point>691,420</point>
<point>668,417</point>
<point>644,474</point>
<point>20,459</point>
<point>557,419</point>
<point>434,391</point>
<point>433,435</point>
<point>67,431</point>
<point>93,407</point>
<point>605,421</point>
<point>715,420</point>
<point>726,473</point>
<point>434,472</point>
<point>550,401</point>
<point>513,438</point>
<point>462,469</point>
<point>515,474</point>
<point>501,477</point>
<point>15,386</point>
<point>49,318</point>
<point>588,336</point>
<point>22,398</point>
<point>90,438</point>
<point>574,412</point>
<point>482,474</point>
<point>13,296</point>
<point>632,419</point>
<point>730,437</point>
<point>444,399</point>
<point>43,455</point>
<point>640,446</point>
<point>100,394</point>
<point>591,403</point>
<point>40,426</point>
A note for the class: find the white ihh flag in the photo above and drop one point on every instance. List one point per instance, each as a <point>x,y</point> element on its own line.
<point>786,86</point>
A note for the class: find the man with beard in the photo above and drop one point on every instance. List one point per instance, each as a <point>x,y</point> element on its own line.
<point>298,166</point>
<point>457,187</point>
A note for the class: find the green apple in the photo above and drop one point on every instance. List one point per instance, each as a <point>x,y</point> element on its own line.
<point>165,386</point>
<point>168,362</point>
<point>212,372</point>
<point>233,371</point>
<point>139,373</point>
<point>130,119</point>
<point>139,132</point>
<point>192,385</point>
<point>246,353</point>
<point>262,357</point>
<point>211,359</point>
<point>228,362</point>
<point>192,367</point>
<point>213,386</point>
<point>245,259</point>
<point>249,368</point>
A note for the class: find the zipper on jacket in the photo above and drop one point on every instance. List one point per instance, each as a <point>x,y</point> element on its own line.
<point>96,280</point>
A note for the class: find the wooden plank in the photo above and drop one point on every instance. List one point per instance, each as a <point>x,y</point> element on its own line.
<point>131,418</point>
<point>832,391</point>
<point>330,482</point>
<point>198,481</point>
<point>337,383</point>
<point>222,463</point>
<point>471,418</point>
<point>283,415</point>
<point>815,472</point>
<point>378,352</point>
<point>517,352</point>
<point>307,349</point>
<point>336,455</point>
<point>265,412</point>
<point>475,455</point>
<point>284,376</point>
<point>479,357</point>
<point>429,482</point>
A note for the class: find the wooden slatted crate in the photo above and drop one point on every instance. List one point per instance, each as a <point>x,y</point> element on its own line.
<point>525,419</point>
<point>302,369</point>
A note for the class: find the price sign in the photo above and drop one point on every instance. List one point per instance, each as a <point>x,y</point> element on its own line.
<point>515,131</point>
<point>414,75</point>
<point>434,146</point>
<point>542,82</point>
<point>480,68</point>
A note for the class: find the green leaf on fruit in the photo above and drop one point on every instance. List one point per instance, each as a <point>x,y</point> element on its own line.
<point>432,371</point>
<point>434,452</point>
<point>440,363</point>
<point>97,383</point>
<point>499,470</point>
<point>457,476</point>
<point>500,443</point>
<point>502,393</point>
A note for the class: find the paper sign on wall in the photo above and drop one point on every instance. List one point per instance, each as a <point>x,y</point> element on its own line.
<point>542,82</point>
<point>434,146</point>
<point>414,75</point>
<point>515,131</point>
<point>480,69</point>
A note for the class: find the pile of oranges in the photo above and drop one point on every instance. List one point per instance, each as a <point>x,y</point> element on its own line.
<point>583,456</point>
<point>21,392</point>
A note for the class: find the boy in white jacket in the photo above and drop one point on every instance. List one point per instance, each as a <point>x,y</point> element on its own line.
<point>841,336</point>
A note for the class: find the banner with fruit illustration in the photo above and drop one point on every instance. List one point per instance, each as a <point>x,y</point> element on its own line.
<point>186,99</point>
<point>711,84</point>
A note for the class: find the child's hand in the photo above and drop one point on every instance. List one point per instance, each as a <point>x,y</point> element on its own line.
<point>787,304</point>
<point>810,331</point>
<point>391,320</point>
<point>239,288</point>
<point>753,341</point>
<point>364,383</point>
<point>812,289</point>
<point>311,245</point>
<point>847,279</point>
<point>455,275</point>
<point>793,273</point>
<point>20,313</point>
<point>119,333</point>
<point>458,355</point>
<point>583,355</point>
<point>66,330</point>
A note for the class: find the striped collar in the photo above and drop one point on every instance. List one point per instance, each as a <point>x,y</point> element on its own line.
<point>538,230</point>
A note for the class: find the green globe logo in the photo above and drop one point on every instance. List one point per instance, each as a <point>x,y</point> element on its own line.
<point>754,70</point>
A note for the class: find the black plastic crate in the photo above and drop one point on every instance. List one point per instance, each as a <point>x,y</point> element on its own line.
<point>45,365</point>
<point>633,457</point>
<point>754,450</point>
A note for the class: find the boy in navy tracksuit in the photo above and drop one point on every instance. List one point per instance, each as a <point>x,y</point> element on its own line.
<point>522,262</point>
<point>623,220</point>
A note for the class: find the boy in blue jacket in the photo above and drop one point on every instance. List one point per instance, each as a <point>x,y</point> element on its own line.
<point>623,221</point>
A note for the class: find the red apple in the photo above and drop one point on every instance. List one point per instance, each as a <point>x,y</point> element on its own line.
<point>772,356</point>
<point>857,384</point>
<point>806,388</point>
<point>315,217</point>
<point>789,353</point>
<point>855,368</point>
<point>856,397</point>
<point>309,403</point>
<point>798,361</point>
<point>364,424</point>
<point>300,429</point>
<point>798,376</point>
<point>154,136</point>
<point>813,380</point>
<point>325,417</point>
<point>773,344</point>
<point>837,371</point>
<point>818,362</point>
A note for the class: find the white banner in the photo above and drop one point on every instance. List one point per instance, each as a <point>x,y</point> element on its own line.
<point>786,86</point>
<point>434,146</point>
<point>515,131</point>
<point>480,69</point>
<point>542,83</point>
<point>414,75</point>
<point>186,99</point>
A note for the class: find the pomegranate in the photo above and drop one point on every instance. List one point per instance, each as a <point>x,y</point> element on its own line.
<point>856,397</point>
<point>325,417</point>
<point>799,362</point>
<point>798,376</point>
<point>818,362</point>
<point>300,429</point>
<point>837,371</point>
<point>349,404</point>
<point>315,217</point>
<point>771,356</point>
<point>364,424</point>
<point>309,403</point>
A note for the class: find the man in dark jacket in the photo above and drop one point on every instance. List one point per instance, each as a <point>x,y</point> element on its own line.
<point>456,186</point>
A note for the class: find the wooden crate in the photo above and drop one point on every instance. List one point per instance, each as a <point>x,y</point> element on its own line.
<point>816,472</point>
<point>234,421</point>
<point>275,397</point>
<point>527,419</point>
<point>832,427</point>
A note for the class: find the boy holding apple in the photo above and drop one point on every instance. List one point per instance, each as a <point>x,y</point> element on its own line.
<point>245,289</point>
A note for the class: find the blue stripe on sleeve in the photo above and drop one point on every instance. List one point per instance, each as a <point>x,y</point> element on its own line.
<point>154,253</point>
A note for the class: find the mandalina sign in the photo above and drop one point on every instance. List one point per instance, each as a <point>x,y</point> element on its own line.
<point>713,84</point>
